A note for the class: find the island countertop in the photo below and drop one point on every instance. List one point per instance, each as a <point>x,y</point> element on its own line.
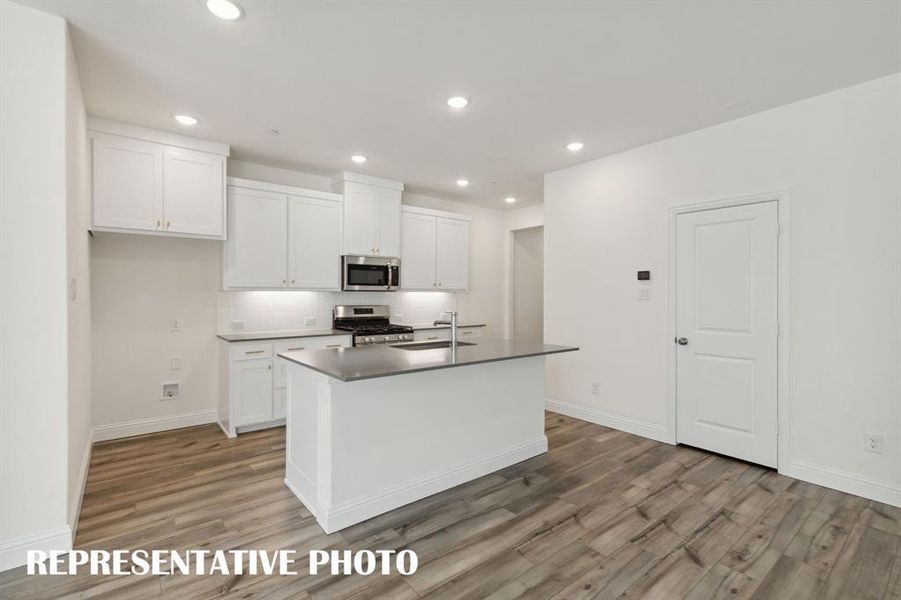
<point>369,362</point>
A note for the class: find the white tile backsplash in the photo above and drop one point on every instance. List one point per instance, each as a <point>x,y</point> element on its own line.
<point>280,310</point>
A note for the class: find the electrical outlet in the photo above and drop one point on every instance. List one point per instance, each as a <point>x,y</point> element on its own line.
<point>238,325</point>
<point>309,321</point>
<point>595,388</point>
<point>175,326</point>
<point>175,363</point>
<point>873,443</point>
<point>644,293</point>
<point>171,390</point>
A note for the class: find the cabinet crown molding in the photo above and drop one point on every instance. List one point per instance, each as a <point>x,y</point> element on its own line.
<point>96,125</point>
<point>343,176</point>
<point>278,188</point>
<point>418,210</point>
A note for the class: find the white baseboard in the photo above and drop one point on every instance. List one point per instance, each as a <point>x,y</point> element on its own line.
<point>343,515</point>
<point>124,429</point>
<point>842,481</point>
<point>14,552</point>
<point>75,503</point>
<point>608,419</point>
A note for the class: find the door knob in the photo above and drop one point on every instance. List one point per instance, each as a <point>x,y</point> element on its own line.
<point>682,341</point>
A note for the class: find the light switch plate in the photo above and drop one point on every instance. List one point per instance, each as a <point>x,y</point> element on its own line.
<point>175,363</point>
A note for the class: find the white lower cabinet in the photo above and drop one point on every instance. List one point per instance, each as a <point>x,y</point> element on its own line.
<point>254,384</point>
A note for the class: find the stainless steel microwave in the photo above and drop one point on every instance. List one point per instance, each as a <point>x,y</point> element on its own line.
<point>369,274</point>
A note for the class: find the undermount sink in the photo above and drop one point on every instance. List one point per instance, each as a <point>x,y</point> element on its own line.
<point>429,345</point>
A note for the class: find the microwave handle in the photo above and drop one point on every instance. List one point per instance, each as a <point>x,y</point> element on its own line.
<point>394,276</point>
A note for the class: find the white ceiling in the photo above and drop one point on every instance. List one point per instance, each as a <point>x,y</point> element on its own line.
<point>338,78</point>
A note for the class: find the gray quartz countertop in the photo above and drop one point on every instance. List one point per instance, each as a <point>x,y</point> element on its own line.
<point>369,362</point>
<point>252,336</point>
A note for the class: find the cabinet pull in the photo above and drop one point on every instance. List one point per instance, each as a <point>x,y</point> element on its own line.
<point>333,346</point>
<point>284,281</point>
<point>167,224</point>
<point>254,351</point>
<point>269,367</point>
<point>433,337</point>
<point>293,281</point>
<point>158,223</point>
<point>298,348</point>
<point>465,333</point>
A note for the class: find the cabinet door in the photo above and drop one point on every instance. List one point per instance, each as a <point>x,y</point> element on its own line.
<point>453,254</point>
<point>388,242</point>
<point>360,219</point>
<point>194,192</point>
<point>314,243</point>
<point>417,252</point>
<point>251,382</point>
<point>279,403</point>
<point>256,251</point>
<point>127,183</point>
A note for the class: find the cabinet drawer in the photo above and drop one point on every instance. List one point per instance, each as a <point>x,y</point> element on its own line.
<point>312,343</point>
<point>251,351</point>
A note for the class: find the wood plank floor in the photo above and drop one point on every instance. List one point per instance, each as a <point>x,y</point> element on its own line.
<point>604,514</point>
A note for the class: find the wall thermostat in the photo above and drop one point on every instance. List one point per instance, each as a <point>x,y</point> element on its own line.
<point>644,275</point>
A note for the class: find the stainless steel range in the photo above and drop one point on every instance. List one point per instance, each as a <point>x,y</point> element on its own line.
<point>370,324</point>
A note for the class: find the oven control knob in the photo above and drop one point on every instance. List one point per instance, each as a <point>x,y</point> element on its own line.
<point>367,339</point>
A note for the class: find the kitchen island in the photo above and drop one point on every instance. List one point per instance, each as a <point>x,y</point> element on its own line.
<point>370,429</point>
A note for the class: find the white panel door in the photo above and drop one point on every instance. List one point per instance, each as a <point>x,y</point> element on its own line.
<point>388,242</point>
<point>453,254</point>
<point>417,252</point>
<point>314,243</point>
<point>127,183</point>
<point>256,251</point>
<point>726,323</point>
<point>194,192</point>
<point>251,380</point>
<point>360,219</point>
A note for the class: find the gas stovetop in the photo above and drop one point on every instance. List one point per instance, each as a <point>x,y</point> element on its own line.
<point>370,325</point>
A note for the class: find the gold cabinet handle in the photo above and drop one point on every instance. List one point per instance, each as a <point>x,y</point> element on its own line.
<point>158,223</point>
<point>269,367</point>
<point>293,281</point>
<point>333,346</point>
<point>284,281</point>
<point>254,351</point>
<point>298,348</point>
<point>433,337</point>
<point>167,224</point>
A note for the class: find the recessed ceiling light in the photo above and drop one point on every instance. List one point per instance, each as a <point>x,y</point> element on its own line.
<point>186,119</point>
<point>457,102</point>
<point>225,9</point>
<point>574,146</point>
<point>509,199</point>
<point>358,158</point>
<point>462,182</point>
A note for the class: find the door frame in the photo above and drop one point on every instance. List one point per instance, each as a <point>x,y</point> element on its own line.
<point>783,376</point>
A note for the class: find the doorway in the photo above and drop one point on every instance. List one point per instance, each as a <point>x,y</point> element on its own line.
<point>528,285</point>
<point>726,307</point>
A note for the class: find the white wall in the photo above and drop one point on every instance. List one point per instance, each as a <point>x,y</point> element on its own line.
<point>33,269</point>
<point>139,286</point>
<point>528,284</point>
<point>515,219</point>
<point>78,267</point>
<point>839,155</point>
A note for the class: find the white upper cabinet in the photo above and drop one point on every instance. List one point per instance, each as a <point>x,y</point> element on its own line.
<point>452,270</point>
<point>256,254</point>
<point>371,214</point>
<point>193,188</point>
<point>314,243</point>
<point>147,181</point>
<point>418,247</point>
<point>281,237</point>
<point>128,183</point>
<point>388,203</point>
<point>434,250</point>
